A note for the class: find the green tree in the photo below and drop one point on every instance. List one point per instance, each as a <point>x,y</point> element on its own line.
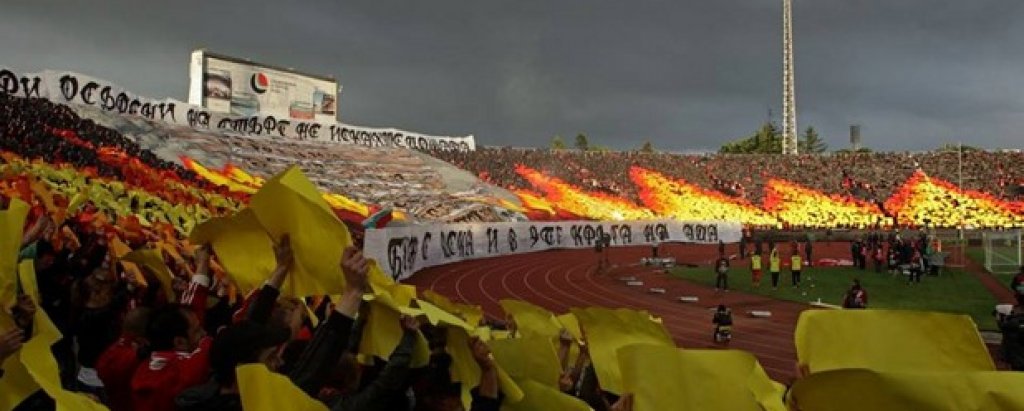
<point>557,143</point>
<point>581,142</point>
<point>767,139</point>
<point>647,148</point>
<point>955,147</point>
<point>811,143</point>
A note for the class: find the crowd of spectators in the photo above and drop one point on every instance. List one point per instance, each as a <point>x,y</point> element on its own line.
<point>386,177</point>
<point>872,177</point>
<point>36,128</point>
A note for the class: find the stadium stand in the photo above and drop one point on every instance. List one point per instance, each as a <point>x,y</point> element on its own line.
<point>120,290</point>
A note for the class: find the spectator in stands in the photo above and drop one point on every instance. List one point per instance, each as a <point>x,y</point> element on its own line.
<point>856,297</point>
<point>99,302</point>
<point>116,366</point>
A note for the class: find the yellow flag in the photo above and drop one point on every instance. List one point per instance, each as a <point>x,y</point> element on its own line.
<point>437,316</point>
<point>571,324</point>
<point>120,249</point>
<point>40,364</point>
<point>154,262</point>
<point>244,249</point>
<point>668,378</point>
<point>383,331</point>
<point>860,389</point>
<point>12,223</point>
<point>889,340</point>
<point>465,370</point>
<point>76,201</point>
<point>608,330</point>
<point>263,390</point>
<point>539,397</point>
<point>471,313</point>
<point>531,358</point>
<point>531,320</point>
<point>290,204</point>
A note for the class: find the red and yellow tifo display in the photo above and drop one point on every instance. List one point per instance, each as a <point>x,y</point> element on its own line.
<point>919,201</point>
<point>151,196</point>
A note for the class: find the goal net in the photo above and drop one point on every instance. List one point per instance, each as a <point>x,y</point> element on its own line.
<point>1002,251</point>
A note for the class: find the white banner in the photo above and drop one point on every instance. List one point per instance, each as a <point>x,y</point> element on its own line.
<point>402,251</point>
<point>73,88</point>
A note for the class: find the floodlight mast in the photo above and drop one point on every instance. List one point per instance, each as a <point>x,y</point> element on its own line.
<point>789,129</point>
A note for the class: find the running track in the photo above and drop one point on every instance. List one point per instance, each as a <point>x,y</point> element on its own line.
<point>563,279</point>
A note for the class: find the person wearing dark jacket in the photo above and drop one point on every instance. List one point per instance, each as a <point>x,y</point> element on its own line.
<point>392,382</point>
<point>254,340</point>
<point>1013,338</point>
<point>100,301</point>
<point>1017,286</point>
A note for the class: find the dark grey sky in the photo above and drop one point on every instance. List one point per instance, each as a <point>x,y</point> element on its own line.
<point>687,75</point>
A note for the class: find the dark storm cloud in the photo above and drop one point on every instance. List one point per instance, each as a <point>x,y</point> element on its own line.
<point>686,75</point>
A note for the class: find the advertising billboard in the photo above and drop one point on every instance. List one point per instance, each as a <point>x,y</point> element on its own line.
<point>243,88</point>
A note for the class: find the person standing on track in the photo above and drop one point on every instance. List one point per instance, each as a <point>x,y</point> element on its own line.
<point>755,270</point>
<point>796,264</point>
<point>744,239</point>
<point>606,241</point>
<point>722,269</point>
<point>808,248</point>
<point>773,264</point>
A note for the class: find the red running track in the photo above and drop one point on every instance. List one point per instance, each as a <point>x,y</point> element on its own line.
<point>563,279</point>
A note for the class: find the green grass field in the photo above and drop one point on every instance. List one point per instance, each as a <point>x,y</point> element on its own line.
<point>977,254</point>
<point>953,292</point>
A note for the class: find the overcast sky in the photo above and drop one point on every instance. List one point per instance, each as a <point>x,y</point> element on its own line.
<point>686,75</point>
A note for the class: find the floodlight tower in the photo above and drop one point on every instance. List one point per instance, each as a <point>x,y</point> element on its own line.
<point>789,130</point>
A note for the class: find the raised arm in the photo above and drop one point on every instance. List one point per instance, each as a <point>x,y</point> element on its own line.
<point>394,379</point>
<point>266,297</point>
<point>486,395</point>
<point>199,288</point>
<point>331,338</point>
<point>37,230</point>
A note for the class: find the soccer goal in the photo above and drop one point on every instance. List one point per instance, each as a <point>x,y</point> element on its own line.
<point>1002,251</point>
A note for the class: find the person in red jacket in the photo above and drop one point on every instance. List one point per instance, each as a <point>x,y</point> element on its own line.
<point>180,348</point>
<point>856,297</point>
<point>118,363</point>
